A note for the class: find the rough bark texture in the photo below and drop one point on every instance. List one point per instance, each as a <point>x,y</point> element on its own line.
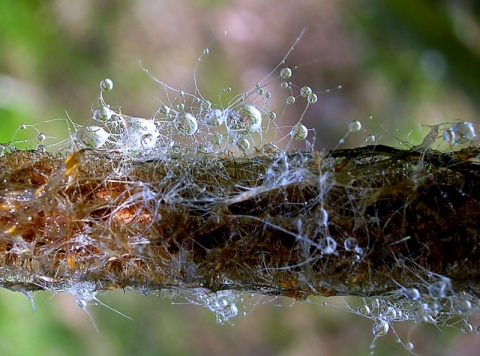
<point>365,221</point>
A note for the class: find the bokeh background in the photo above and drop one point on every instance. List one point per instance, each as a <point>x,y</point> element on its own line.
<point>401,65</point>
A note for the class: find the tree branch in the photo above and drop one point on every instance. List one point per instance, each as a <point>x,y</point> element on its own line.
<point>364,221</point>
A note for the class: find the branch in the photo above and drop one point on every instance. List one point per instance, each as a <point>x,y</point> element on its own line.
<point>368,221</point>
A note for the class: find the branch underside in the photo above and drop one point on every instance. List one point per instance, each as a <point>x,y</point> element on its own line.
<point>364,222</point>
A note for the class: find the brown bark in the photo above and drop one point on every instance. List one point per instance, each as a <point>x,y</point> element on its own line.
<point>396,220</point>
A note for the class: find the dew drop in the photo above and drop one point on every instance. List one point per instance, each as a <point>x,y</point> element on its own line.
<point>284,85</point>
<point>214,118</point>
<point>409,346</point>
<point>299,132</point>
<point>206,51</point>
<point>206,105</point>
<point>41,137</point>
<point>350,244</point>
<point>186,124</point>
<point>306,91</point>
<point>106,85</point>
<point>41,148</point>
<point>370,138</point>
<point>380,328</point>
<point>244,145</point>
<point>227,89</point>
<point>467,328</point>
<point>354,126</point>
<point>290,100</point>
<point>260,91</point>
<point>363,310</point>
<point>245,119</point>
<point>268,95</point>
<point>312,98</point>
<point>272,115</point>
<point>285,73</point>
<point>180,107</point>
<point>412,293</point>
<point>327,245</point>
<point>22,127</point>
<point>181,93</point>
<point>91,136</point>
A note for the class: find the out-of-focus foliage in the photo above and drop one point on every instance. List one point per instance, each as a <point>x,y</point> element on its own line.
<point>403,63</point>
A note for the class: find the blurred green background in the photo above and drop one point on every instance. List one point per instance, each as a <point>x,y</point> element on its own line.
<point>402,63</point>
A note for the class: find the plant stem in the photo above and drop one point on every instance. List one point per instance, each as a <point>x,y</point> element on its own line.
<point>366,221</point>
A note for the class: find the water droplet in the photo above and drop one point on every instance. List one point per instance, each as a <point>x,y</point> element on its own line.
<point>409,346</point>
<point>299,132</point>
<point>91,136</point>
<point>354,126</point>
<point>214,118</point>
<point>380,328</point>
<point>186,124</point>
<point>245,119</point>
<point>180,107</point>
<point>363,310</point>
<point>22,127</point>
<point>284,85</point>
<point>412,293</point>
<point>370,138</point>
<point>285,73</point>
<point>260,91</point>
<point>350,243</point>
<point>181,93</point>
<point>206,51</point>
<point>467,328</point>
<point>41,137</point>
<point>268,95</point>
<point>272,115</point>
<point>306,91</point>
<point>41,148</point>
<point>327,245</point>
<point>103,114</point>
<point>106,85</point>
<point>206,105</point>
<point>227,89</point>
<point>244,145</point>
<point>460,133</point>
<point>312,98</point>
<point>290,100</point>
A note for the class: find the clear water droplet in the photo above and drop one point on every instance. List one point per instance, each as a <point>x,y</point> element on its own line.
<point>41,137</point>
<point>299,132</point>
<point>186,124</point>
<point>106,85</point>
<point>244,145</point>
<point>327,245</point>
<point>272,115</point>
<point>363,310</point>
<point>290,100</point>
<point>467,328</point>
<point>380,328</point>
<point>306,91</point>
<point>354,126</point>
<point>409,346</point>
<point>312,98</point>
<point>412,293</point>
<point>350,243</point>
<point>285,73</point>
<point>284,85</point>
<point>370,138</point>
<point>214,118</point>
<point>22,127</point>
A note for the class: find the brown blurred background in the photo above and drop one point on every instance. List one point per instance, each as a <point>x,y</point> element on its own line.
<point>403,63</point>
